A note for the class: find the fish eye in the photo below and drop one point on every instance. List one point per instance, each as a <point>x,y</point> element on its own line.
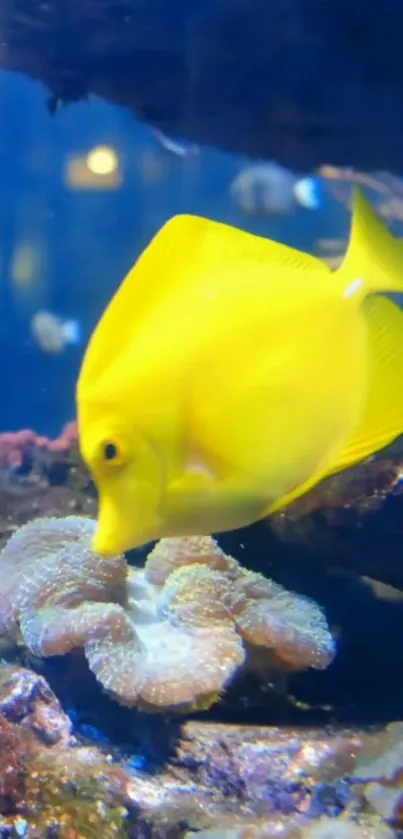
<point>110,451</point>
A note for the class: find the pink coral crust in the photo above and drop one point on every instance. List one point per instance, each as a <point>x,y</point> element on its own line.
<point>15,444</point>
<point>169,635</point>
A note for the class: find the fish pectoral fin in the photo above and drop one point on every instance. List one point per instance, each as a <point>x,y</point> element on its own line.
<point>382,421</point>
<point>225,503</point>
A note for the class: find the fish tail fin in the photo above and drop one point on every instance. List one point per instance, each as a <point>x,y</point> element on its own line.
<point>372,272</point>
<point>374,255</point>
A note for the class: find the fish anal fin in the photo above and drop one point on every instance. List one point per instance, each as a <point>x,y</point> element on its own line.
<point>382,420</point>
<point>294,495</point>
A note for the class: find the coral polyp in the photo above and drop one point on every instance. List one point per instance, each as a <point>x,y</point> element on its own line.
<point>170,635</point>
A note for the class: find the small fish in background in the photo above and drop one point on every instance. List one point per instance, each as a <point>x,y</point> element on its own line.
<point>28,276</point>
<point>181,148</point>
<point>52,334</point>
<point>272,190</point>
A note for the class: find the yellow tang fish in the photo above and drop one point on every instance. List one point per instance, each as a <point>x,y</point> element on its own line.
<point>230,374</point>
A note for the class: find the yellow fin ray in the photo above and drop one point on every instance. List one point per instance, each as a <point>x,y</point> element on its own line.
<point>209,244</point>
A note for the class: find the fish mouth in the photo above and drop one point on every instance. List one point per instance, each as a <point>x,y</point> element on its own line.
<point>106,548</point>
<point>110,544</point>
<point>111,536</point>
<point>118,531</point>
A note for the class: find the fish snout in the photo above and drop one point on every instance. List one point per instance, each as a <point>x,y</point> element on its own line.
<point>113,535</point>
<point>106,544</point>
<point>126,522</point>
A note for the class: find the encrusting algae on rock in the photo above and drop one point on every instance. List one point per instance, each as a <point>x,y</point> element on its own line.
<point>211,781</point>
<point>52,787</point>
<point>168,636</point>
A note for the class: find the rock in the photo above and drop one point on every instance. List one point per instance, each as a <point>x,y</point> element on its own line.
<point>26,699</point>
<point>239,781</point>
<point>304,82</point>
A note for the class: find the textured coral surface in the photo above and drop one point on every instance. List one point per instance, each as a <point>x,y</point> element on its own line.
<point>169,635</point>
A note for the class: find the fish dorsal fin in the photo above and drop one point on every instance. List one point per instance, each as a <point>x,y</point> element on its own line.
<point>382,421</point>
<point>214,244</point>
<point>157,268</point>
<point>186,247</point>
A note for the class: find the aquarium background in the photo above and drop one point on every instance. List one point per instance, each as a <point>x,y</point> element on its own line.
<point>265,664</point>
<point>67,239</point>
